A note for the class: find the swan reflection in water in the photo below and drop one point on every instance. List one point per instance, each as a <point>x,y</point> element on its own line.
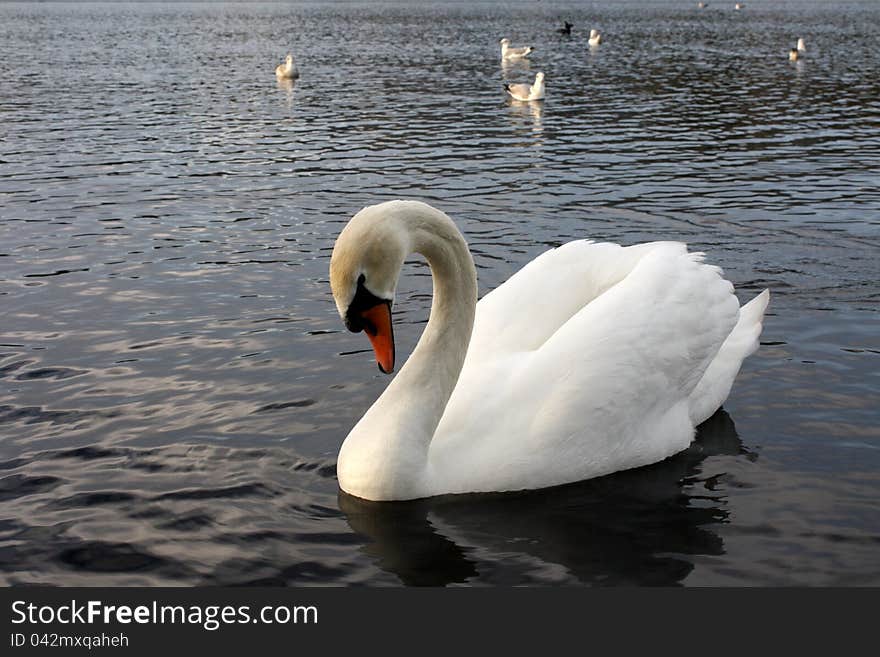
<point>637,527</point>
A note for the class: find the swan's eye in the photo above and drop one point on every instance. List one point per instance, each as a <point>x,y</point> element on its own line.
<point>364,300</point>
<point>372,314</point>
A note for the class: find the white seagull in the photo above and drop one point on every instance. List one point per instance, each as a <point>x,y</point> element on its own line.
<point>527,91</point>
<point>513,53</point>
<point>287,70</point>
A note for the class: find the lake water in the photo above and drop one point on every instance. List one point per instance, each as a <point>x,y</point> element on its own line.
<point>175,382</point>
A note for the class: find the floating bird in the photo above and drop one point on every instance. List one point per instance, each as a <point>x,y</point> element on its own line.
<point>595,38</point>
<point>566,29</point>
<point>513,53</point>
<point>591,359</point>
<point>527,91</point>
<point>801,46</point>
<point>738,6</point>
<point>287,70</point>
<point>793,55</point>
<point>701,5</point>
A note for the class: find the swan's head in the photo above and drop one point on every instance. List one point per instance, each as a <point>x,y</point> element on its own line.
<point>801,46</point>
<point>364,268</point>
<point>505,41</point>
<point>539,79</point>
<point>594,34</point>
<point>289,60</point>
<point>793,54</point>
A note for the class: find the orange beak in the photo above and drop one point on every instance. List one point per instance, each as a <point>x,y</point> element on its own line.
<point>377,325</point>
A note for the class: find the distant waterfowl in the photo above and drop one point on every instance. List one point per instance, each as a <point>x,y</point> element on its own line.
<point>595,38</point>
<point>566,29</point>
<point>513,53</point>
<point>701,5</point>
<point>287,70</point>
<point>527,91</point>
<point>796,53</point>
<point>738,6</point>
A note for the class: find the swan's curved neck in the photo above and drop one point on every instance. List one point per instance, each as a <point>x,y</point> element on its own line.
<point>436,362</point>
<point>385,455</point>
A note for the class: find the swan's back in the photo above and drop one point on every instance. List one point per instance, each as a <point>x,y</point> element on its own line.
<point>585,362</point>
<point>541,297</point>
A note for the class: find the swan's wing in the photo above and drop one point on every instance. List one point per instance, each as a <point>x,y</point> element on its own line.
<point>596,351</point>
<point>657,329</point>
<point>523,312</point>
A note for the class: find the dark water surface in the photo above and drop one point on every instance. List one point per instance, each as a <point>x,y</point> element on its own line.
<point>175,382</point>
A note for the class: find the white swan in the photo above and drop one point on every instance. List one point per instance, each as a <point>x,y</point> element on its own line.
<point>533,91</point>
<point>595,38</point>
<point>287,70</point>
<point>513,53</point>
<point>591,359</point>
<point>802,48</point>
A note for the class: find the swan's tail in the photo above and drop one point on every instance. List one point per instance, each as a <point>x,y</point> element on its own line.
<point>715,385</point>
